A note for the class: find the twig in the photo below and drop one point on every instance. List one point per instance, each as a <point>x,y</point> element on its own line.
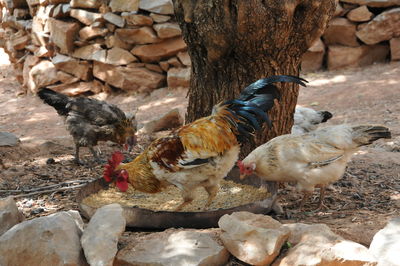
<point>80,181</point>
<point>47,191</point>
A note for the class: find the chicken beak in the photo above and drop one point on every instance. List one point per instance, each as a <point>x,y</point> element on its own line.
<point>130,142</point>
<point>242,176</point>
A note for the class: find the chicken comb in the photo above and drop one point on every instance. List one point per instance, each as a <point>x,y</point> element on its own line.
<point>116,159</point>
<point>240,165</point>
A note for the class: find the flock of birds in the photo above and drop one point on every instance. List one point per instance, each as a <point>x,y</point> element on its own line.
<point>202,153</point>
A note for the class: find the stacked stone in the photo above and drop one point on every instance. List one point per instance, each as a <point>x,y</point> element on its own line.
<point>76,46</point>
<point>361,33</point>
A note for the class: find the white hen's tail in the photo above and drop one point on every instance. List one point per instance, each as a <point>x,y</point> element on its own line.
<point>367,134</point>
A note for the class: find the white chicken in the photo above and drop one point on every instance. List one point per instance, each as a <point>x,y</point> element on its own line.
<point>308,119</point>
<point>314,159</point>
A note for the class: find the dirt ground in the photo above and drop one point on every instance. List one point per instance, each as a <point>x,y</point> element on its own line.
<point>359,204</point>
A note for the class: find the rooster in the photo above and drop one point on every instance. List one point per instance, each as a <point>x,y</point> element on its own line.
<point>307,119</point>
<point>311,160</point>
<point>90,120</point>
<point>203,152</point>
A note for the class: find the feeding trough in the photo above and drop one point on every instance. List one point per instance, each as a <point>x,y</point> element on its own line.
<point>145,218</point>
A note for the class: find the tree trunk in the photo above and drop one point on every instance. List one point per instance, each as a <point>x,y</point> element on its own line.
<point>233,43</point>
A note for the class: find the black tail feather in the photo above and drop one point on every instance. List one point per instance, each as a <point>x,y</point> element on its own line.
<point>254,101</point>
<point>55,99</point>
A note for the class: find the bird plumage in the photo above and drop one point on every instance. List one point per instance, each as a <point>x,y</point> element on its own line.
<point>90,120</point>
<point>308,119</point>
<point>317,158</point>
<point>203,152</point>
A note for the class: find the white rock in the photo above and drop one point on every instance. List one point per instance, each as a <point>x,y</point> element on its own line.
<point>385,245</point>
<point>253,238</point>
<point>174,247</point>
<point>100,238</point>
<point>9,213</point>
<point>114,19</point>
<point>318,245</point>
<point>158,6</point>
<point>47,240</point>
<point>43,74</point>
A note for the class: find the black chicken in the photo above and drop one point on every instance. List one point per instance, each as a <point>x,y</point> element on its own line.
<point>90,120</point>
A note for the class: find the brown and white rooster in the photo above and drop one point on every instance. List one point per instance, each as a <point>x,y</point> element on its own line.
<point>203,152</point>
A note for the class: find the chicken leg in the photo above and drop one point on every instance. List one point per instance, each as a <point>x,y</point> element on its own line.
<point>187,199</point>
<point>212,192</point>
<point>321,205</point>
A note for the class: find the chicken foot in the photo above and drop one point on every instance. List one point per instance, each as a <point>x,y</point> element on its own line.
<point>321,205</point>
<point>187,199</point>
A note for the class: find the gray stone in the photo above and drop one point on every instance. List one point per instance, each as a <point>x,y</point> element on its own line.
<point>47,240</point>
<point>158,51</point>
<point>80,69</point>
<point>85,3</point>
<point>118,56</point>
<point>9,213</point>
<point>63,34</point>
<point>253,238</point>
<point>343,56</point>
<point>100,238</point>
<point>84,16</point>
<point>318,245</point>
<point>360,14</point>
<point>114,19</point>
<point>374,3</point>
<point>158,6</point>
<point>174,247</point>
<point>124,5</point>
<point>383,27</point>
<point>178,77</point>
<point>142,35</point>
<point>42,74</point>
<point>8,140</point>
<point>341,31</point>
<point>385,245</point>
<point>167,30</point>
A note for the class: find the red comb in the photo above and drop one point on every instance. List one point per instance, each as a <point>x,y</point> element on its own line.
<point>240,165</point>
<point>116,159</point>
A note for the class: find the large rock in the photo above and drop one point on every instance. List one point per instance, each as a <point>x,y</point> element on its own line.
<point>156,52</point>
<point>385,245</point>
<point>42,74</point>
<point>85,17</point>
<point>342,56</point>
<point>80,69</point>
<point>341,31</point>
<point>167,30</point>
<point>63,34</point>
<point>118,56</point>
<point>360,14</point>
<point>100,238</point>
<point>158,6</point>
<point>9,213</point>
<point>184,58</point>
<point>85,3</point>
<point>174,247</point>
<point>142,35</point>
<point>47,240</point>
<point>253,238</point>
<point>91,52</point>
<point>127,78</point>
<point>178,77</point>
<point>170,120</point>
<point>383,27</point>
<point>312,59</point>
<point>318,245</point>
<point>374,3</point>
<point>395,48</point>
<point>124,5</point>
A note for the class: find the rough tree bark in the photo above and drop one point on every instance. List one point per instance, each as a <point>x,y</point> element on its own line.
<point>232,43</point>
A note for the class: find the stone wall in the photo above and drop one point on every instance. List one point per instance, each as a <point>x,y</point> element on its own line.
<point>76,46</point>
